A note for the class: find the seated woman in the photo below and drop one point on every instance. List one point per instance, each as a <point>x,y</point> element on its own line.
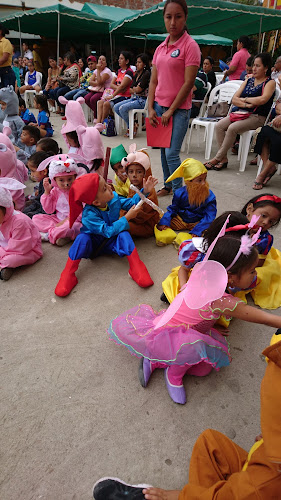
<point>252,101</point>
<point>268,146</point>
<point>121,87</point>
<point>208,69</point>
<point>52,82</point>
<point>138,91</point>
<point>32,79</point>
<point>69,80</point>
<point>84,80</point>
<point>101,80</point>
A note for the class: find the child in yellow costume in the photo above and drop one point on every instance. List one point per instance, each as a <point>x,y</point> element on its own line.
<point>121,182</point>
<point>220,469</point>
<point>193,206</point>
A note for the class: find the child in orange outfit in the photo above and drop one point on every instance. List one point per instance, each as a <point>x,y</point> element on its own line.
<point>221,470</point>
<point>138,169</point>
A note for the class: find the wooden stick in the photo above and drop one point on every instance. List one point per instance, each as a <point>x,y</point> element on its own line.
<point>106,163</point>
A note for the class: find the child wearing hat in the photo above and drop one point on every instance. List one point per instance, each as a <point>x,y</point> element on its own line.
<point>138,168</point>
<point>193,206</point>
<point>122,183</point>
<point>102,232</point>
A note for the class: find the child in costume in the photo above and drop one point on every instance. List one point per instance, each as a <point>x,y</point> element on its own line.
<point>20,241</point>
<point>182,339</point>
<point>102,232</point>
<point>48,145</point>
<point>121,182</point>
<point>25,114</point>
<point>92,147</point>
<point>10,106</point>
<point>33,206</point>
<point>138,167</point>
<point>54,226</point>
<point>11,167</point>
<point>43,118</point>
<point>193,206</point>
<point>220,469</point>
<point>267,293</point>
<point>193,250</point>
<point>27,144</point>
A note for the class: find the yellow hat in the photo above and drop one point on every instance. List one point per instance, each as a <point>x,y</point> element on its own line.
<point>189,169</point>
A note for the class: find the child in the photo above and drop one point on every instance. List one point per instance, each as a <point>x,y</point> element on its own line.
<point>20,242</point>
<point>10,166</point>
<point>33,206</point>
<point>48,145</point>
<point>138,168</point>
<point>193,250</point>
<point>91,147</point>
<point>102,231</point>
<point>267,293</point>
<point>122,183</point>
<point>220,469</point>
<point>75,117</point>
<point>54,225</point>
<point>27,145</point>
<point>25,114</point>
<point>193,207</point>
<point>10,106</point>
<point>45,127</point>
<point>182,338</point>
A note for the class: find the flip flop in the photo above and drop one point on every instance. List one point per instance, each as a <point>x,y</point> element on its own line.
<point>268,177</point>
<point>256,184</point>
<point>220,166</point>
<point>209,165</point>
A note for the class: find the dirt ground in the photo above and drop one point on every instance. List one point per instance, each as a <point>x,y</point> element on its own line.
<point>72,408</point>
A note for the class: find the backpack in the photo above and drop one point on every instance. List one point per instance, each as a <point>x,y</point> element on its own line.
<point>109,127</point>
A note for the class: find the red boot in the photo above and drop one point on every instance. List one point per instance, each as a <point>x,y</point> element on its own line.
<point>138,271</point>
<point>67,279</point>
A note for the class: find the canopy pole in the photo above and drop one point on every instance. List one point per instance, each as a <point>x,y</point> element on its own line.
<point>275,40</point>
<point>58,39</point>
<point>262,42</point>
<point>111,52</point>
<point>20,36</point>
<point>260,34</point>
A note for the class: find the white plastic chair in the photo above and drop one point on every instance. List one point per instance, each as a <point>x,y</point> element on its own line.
<point>203,107</point>
<point>29,95</point>
<point>221,93</point>
<point>246,138</point>
<point>260,164</point>
<point>88,113</point>
<point>140,113</point>
<point>120,124</point>
<point>219,77</point>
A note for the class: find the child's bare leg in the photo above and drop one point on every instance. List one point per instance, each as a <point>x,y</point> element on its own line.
<point>159,494</point>
<point>106,110</point>
<point>183,276</point>
<point>100,111</point>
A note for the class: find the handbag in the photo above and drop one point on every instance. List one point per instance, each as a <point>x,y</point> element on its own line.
<point>109,127</point>
<point>96,88</point>
<point>107,93</point>
<point>236,116</point>
<point>218,110</point>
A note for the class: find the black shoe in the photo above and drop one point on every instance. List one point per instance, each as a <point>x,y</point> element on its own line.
<point>6,273</point>
<point>164,298</point>
<point>114,489</point>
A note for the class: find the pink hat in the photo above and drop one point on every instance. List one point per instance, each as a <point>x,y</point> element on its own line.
<point>92,58</point>
<point>90,141</point>
<point>135,156</point>
<point>6,185</point>
<point>74,114</point>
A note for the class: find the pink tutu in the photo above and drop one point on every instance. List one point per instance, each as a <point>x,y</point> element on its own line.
<point>172,344</point>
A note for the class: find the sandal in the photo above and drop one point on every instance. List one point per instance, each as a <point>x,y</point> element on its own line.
<point>220,166</point>
<point>209,165</point>
<point>257,186</point>
<point>164,191</point>
<point>268,177</point>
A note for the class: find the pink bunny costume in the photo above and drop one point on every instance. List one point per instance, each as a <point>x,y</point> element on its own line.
<point>91,145</point>
<point>57,201</point>
<point>20,241</point>
<point>11,167</point>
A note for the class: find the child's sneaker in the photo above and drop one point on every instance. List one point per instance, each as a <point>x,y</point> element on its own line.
<point>44,236</point>
<point>6,273</point>
<point>63,241</point>
<point>110,488</point>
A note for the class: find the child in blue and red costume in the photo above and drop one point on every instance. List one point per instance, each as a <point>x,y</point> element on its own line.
<point>193,207</point>
<point>102,231</point>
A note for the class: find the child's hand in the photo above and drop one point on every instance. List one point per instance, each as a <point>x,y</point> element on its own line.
<point>46,185</point>
<point>149,184</point>
<point>159,494</point>
<point>161,228</point>
<point>132,213</point>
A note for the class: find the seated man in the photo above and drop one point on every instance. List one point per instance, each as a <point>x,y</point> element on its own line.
<point>199,91</point>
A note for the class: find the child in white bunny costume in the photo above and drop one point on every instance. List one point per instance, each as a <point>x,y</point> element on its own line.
<point>20,241</point>
<point>54,227</point>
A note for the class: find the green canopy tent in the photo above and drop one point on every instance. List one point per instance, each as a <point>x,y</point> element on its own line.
<point>204,16</point>
<point>200,39</point>
<point>58,21</point>
<point>114,14</point>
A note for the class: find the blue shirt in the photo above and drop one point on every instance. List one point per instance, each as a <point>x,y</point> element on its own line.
<point>43,119</point>
<point>28,117</point>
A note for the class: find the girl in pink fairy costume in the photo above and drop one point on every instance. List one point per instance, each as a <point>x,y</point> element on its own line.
<point>11,167</point>
<point>54,227</point>
<point>20,241</point>
<point>182,339</point>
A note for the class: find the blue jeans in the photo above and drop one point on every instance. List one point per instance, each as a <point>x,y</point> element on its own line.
<point>170,157</point>
<point>74,94</point>
<point>122,108</point>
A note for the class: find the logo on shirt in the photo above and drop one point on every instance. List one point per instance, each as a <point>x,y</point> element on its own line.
<point>175,53</point>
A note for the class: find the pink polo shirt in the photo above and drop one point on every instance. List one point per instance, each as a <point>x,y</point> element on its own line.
<point>239,60</point>
<point>170,62</point>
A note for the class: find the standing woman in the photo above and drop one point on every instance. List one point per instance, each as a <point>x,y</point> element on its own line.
<point>7,76</point>
<point>174,69</point>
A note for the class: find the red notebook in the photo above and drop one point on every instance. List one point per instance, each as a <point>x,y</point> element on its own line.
<point>159,137</point>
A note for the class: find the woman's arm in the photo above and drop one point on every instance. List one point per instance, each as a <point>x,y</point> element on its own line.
<point>49,81</point>
<point>151,96</point>
<point>142,84</point>
<point>268,90</point>
<point>189,79</point>
<point>236,99</point>
<point>4,58</point>
<point>121,88</point>
<point>253,315</point>
<point>101,79</point>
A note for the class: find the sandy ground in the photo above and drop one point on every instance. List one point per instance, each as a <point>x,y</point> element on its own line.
<point>72,408</point>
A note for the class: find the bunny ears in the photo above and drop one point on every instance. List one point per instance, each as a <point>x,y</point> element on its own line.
<point>61,164</point>
<point>7,185</point>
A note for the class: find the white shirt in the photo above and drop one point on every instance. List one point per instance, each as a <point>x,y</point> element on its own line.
<point>28,54</point>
